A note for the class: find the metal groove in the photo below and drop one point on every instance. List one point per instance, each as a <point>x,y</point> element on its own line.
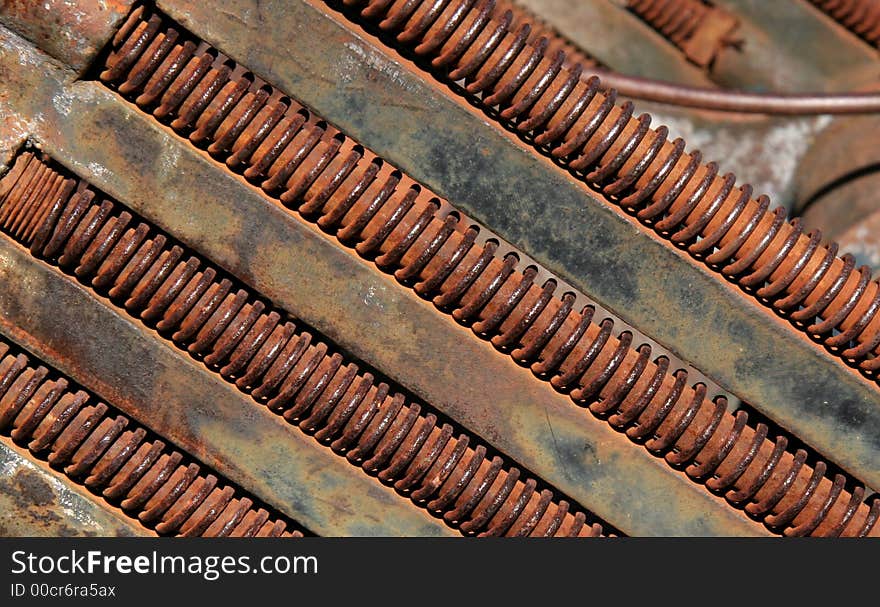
<point>103,450</point>
<point>287,369</point>
<point>500,302</point>
<point>689,203</point>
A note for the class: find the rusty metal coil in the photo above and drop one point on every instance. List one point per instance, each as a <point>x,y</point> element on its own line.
<point>861,17</point>
<point>675,19</point>
<point>408,231</point>
<point>109,454</point>
<point>539,28</point>
<point>684,200</point>
<point>290,371</point>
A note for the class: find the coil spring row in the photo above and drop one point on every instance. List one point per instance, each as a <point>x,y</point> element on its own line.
<point>539,28</point>
<point>104,451</point>
<point>862,17</point>
<point>675,19</point>
<point>700,29</point>
<point>686,201</point>
<point>409,232</point>
<point>294,374</point>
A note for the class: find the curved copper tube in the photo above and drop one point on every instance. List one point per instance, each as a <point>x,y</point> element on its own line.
<point>739,101</point>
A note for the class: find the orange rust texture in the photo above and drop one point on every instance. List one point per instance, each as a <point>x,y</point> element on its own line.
<point>410,232</point>
<point>686,201</point>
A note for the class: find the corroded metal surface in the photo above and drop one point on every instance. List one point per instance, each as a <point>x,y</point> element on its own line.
<point>692,204</point>
<point>233,224</point>
<point>206,333</point>
<point>12,137</point>
<point>36,502</point>
<point>408,364</point>
<point>325,393</point>
<point>72,31</point>
<point>763,150</point>
<point>620,482</point>
<point>106,453</point>
<point>504,304</point>
<point>65,326</point>
<point>583,239</point>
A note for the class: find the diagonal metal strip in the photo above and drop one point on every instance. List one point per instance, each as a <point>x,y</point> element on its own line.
<point>381,100</point>
<point>289,370</point>
<point>341,296</point>
<point>59,320</point>
<point>101,449</point>
<point>61,323</point>
<point>494,319</point>
<point>36,501</point>
<point>72,31</point>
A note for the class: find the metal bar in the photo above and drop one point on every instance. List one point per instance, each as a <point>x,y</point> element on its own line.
<point>72,31</point>
<point>81,335</point>
<point>494,320</point>
<point>322,386</point>
<point>55,318</point>
<point>36,501</point>
<point>100,448</point>
<point>380,99</point>
<point>331,289</point>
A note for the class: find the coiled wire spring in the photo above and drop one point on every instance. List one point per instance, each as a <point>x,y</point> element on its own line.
<point>690,203</point>
<point>700,29</point>
<point>425,243</point>
<point>675,19</point>
<point>861,17</point>
<point>103,450</point>
<point>267,356</point>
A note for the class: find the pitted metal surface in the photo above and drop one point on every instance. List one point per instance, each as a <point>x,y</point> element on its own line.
<point>439,263</point>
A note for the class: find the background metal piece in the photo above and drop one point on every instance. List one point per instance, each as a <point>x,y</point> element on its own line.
<point>316,203</point>
<point>761,150</point>
<point>324,393</point>
<point>700,29</point>
<point>618,38</point>
<point>790,47</point>
<point>82,336</point>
